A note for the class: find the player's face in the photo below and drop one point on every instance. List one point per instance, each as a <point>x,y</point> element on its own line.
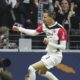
<point>46,18</point>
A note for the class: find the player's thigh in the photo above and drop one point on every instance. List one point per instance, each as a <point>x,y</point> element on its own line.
<point>39,66</point>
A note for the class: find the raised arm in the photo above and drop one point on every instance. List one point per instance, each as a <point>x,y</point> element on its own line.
<point>30,32</point>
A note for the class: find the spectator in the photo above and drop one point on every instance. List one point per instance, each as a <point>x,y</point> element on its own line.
<point>4,39</point>
<point>65,13</point>
<point>67,16</point>
<point>5,18</point>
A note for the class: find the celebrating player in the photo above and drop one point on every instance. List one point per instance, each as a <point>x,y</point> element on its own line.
<point>56,38</point>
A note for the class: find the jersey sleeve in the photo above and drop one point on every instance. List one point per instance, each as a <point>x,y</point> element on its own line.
<point>39,28</point>
<point>62,34</point>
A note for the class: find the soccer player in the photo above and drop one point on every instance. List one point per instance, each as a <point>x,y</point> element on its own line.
<point>56,38</point>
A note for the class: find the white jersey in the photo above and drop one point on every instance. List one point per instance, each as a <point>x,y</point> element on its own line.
<point>57,37</point>
<point>55,34</point>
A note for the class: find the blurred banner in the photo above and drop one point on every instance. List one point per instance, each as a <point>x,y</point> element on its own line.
<point>69,68</point>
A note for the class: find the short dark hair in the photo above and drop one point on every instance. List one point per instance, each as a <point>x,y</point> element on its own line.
<point>50,13</point>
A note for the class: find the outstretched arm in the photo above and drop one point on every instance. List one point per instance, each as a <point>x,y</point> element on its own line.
<point>26,31</point>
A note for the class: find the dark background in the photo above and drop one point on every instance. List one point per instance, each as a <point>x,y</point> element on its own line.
<point>21,60</point>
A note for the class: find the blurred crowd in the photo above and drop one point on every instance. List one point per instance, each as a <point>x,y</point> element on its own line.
<point>25,12</point>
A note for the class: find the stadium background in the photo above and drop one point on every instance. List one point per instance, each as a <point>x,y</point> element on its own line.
<point>21,60</point>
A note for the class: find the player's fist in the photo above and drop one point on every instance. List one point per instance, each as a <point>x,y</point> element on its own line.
<point>45,41</point>
<point>16,27</point>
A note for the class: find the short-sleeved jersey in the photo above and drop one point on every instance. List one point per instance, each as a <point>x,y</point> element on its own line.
<point>55,34</point>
